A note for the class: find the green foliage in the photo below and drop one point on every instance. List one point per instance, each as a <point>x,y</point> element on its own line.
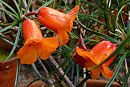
<point>97,20</point>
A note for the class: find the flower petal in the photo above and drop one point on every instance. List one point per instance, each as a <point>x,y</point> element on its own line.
<point>78,59</point>
<point>42,52</point>
<point>86,54</point>
<point>62,37</point>
<point>74,10</point>
<point>51,44</point>
<point>27,54</point>
<point>106,72</point>
<point>31,30</point>
<point>95,73</point>
<point>47,46</point>
<point>71,23</point>
<point>102,51</point>
<point>89,63</point>
<point>73,16</point>
<point>109,61</point>
<point>81,44</point>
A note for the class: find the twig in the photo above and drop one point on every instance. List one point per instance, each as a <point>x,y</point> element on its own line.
<point>49,82</point>
<point>44,68</point>
<point>7,41</point>
<point>126,67</point>
<point>84,76</point>
<point>60,72</point>
<point>83,9</point>
<point>72,72</point>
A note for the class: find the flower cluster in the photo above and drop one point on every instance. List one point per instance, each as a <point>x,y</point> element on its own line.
<point>35,45</point>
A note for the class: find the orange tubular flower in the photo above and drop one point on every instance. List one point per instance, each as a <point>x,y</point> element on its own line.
<point>97,55</point>
<point>59,22</point>
<point>35,45</point>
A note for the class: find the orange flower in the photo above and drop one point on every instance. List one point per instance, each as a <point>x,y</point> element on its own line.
<point>35,45</point>
<point>97,55</point>
<point>59,22</point>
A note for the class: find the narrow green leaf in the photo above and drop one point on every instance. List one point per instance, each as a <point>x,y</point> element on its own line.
<point>8,27</point>
<point>17,73</point>
<point>21,4</point>
<point>77,2</point>
<point>83,81</point>
<point>28,5</point>
<point>9,7</point>
<point>98,3</point>
<point>117,69</point>
<point>3,15</point>
<point>97,21</point>
<point>117,18</point>
<point>126,2</point>
<point>68,67</point>
<point>68,48</point>
<point>126,79</point>
<point>77,73</point>
<point>2,36</point>
<point>17,6</point>
<point>101,35</point>
<point>32,82</point>
<point>46,4</point>
<point>90,4</point>
<point>128,27</point>
<point>2,9</point>
<point>16,41</point>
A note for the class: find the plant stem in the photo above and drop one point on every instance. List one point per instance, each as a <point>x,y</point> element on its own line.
<point>49,82</point>
<point>31,13</point>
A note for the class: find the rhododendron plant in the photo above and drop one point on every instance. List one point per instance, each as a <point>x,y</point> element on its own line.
<point>59,22</point>
<point>35,45</point>
<point>94,57</point>
<point>47,35</point>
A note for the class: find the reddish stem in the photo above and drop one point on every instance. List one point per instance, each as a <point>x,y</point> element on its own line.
<point>117,44</point>
<point>120,32</point>
<point>31,13</point>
